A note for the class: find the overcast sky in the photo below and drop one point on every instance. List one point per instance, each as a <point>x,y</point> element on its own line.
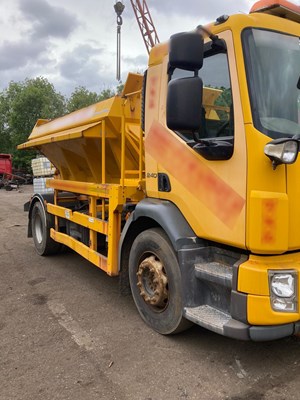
<point>73,42</point>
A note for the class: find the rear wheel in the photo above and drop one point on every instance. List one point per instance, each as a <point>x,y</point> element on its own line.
<point>155,282</point>
<point>44,244</point>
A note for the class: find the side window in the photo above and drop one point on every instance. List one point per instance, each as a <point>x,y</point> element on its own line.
<point>217,110</point>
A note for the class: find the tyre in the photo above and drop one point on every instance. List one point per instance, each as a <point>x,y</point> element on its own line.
<point>44,244</point>
<point>155,282</point>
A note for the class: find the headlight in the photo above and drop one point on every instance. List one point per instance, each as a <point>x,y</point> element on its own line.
<point>283,285</point>
<point>283,290</point>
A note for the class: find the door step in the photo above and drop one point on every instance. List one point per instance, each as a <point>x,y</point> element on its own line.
<point>217,321</point>
<point>215,272</point>
<point>208,317</point>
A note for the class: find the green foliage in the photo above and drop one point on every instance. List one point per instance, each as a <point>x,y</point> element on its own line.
<point>106,94</point>
<point>23,103</point>
<point>81,98</point>
<point>120,88</point>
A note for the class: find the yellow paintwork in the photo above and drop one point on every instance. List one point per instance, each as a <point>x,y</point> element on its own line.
<point>259,312</point>
<point>95,258</point>
<point>93,223</point>
<point>116,195</point>
<point>208,217</point>
<point>253,279</point>
<point>98,153</point>
<point>158,53</point>
<point>268,222</point>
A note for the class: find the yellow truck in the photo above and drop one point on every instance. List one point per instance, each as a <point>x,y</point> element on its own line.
<point>187,185</point>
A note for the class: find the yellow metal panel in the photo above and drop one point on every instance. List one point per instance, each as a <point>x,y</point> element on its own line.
<point>253,274</point>
<point>87,221</point>
<point>210,194</point>
<point>253,279</point>
<point>80,187</point>
<point>157,54</point>
<point>69,134</point>
<point>153,99</point>
<point>96,258</point>
<point>267,222</point>
<point>259,312</point>
<point>91,219</point>
<point>293,190</point>
<point>84,116</point>
<point>133,84</point>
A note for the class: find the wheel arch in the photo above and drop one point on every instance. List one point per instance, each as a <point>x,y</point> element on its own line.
<point>150,213</point>
<point>42,199</point>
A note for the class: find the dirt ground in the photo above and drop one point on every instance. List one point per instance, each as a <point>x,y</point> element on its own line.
<point>66,333</point>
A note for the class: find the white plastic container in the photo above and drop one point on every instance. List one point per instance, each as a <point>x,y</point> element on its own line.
<point>39,186</point>
<point>42,167</point>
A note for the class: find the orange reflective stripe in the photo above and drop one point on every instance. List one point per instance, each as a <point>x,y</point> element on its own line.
<point>188,169</point>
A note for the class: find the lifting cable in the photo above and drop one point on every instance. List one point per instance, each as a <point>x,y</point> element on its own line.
<point>119,8</point>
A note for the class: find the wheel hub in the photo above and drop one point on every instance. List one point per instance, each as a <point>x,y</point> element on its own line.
<point>152,282</point>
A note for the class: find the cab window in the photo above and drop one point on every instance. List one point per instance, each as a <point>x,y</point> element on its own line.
<point>217,110</point>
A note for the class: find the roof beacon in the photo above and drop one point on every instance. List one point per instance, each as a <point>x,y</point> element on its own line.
<point>280,8</point>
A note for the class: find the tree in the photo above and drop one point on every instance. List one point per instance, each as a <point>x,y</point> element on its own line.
<point>21,104</point>
<point>81,97</point>
<point>106,94</point>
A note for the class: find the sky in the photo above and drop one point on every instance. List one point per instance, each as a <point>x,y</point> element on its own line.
<point>73,42</point>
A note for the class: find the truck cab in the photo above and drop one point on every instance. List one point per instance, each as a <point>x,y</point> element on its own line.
<point>231,168</point>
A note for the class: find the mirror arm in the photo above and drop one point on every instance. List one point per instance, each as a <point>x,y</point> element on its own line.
<point>217,42</point>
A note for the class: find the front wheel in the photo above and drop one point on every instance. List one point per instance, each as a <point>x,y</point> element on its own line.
<point>44,244</point>
<point>155,282</point>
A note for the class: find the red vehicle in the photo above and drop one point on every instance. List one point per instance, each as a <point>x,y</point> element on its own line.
<point>5,164</point>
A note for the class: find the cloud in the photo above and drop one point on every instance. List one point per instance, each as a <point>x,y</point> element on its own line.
<point>202,9</point>
<point>73,42</point>
<point>85,65</point>
<point>135,63</point>
<point>47,20</point>
<point>18,54</point>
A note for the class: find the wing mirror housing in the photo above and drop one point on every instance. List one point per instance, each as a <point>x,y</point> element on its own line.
<point>282,151</point>
<point>186,51</point>
<point>184,98</point>
<point>184,104</point>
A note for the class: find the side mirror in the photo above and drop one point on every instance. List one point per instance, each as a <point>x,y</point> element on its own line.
<point>282,151</point>
<point>186,51</point>
<point>184,104</point>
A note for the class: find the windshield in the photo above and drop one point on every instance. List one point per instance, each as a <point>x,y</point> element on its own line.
<point>273,71</point>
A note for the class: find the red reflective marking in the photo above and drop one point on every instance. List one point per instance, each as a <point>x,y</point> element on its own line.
<point>152,92</point>
<point>194,175</point>
<point>268,226</point>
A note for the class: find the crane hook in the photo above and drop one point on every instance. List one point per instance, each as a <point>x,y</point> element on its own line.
<point>119,8</point>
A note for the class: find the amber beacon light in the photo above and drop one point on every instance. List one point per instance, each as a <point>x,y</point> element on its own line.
<point>281,8</point>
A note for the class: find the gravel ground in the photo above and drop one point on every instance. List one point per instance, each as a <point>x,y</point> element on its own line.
<point>66,333</point>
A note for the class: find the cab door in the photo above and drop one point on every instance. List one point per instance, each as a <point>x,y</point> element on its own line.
<point>210,190</point>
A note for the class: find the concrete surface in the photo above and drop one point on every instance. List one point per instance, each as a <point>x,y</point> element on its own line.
<point>66,333</point>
